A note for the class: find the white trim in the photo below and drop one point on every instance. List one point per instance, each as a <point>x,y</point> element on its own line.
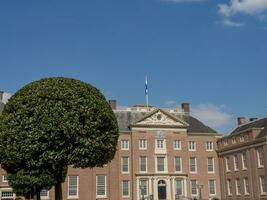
<point>245,187</point>
<point>235,159</point>
<point>215,187</point>
<point>229,187</point>
<point>47,194</point>
<point>77,188</point>
<point>258,156</point>
<point>128,165</point>
<point>125,196</point>
<point>213,167</point>
<point>140,164</point>
<point>105,187</point>
<point>165,164</point>
<point>244,155</point>
<point>261,186</point>
<point>4,179</point>
<point>179,144</point>
<point>193,172</point>
<point>192,144</point>
<point>140,144</point>
<point>122,144</point>
<point>208,145</point>
<point>156,129</point>
<point>194,195</point>
<point>238,192</point>
<point>181,164</point>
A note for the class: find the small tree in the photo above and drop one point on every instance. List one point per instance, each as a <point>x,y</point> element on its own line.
<point>51,124</point>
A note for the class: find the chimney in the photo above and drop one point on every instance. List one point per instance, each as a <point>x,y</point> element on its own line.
<point>113,104</point>
<point>185,107</point>
<point>252,119</point>
<point>241,121</point>
<point>1,96</point>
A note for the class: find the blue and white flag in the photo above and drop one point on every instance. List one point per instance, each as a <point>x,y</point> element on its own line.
<point>146,87</point>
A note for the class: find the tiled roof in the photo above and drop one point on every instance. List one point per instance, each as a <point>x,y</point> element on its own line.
<point>126,118</point>
<point>261,123</point>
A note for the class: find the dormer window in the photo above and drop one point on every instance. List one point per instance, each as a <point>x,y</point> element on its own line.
<point>225,142</point>
<point>233,140</point>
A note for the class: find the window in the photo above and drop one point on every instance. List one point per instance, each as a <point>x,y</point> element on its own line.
<point>233,140</point>
<point>263,185</point>
<point>237,185</point>
<point>192,146</point>
<point>260,157</point>
<point>125,145</point>
<point>212,187</point>
<point>4,179</point>
<point>209,146</point>
<point>193,163</point>
<point>246,186</point>
<point>225,142</point>
<point>73,186</point>
<point>194,187</point>
<point>160,164</point>
<point>229,187</point>
<point>143,188</point>
<point>142,144</point>
<point>210,162</point>
<point>242,138</point>
<point>7,195</point>
<point>177,144</point>
<point>44,194</point>
<point>179,187</point>
<point>236,162</point>
<point>143,163</point>
<point>160,144</point>
<point>125,164</point>
<point>177,164</point>
<point>227,164</point>
<point>244,160</point>
<point>101,186</point>
<point>125,188</point>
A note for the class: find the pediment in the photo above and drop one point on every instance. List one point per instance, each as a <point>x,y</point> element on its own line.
<point>161,118</point>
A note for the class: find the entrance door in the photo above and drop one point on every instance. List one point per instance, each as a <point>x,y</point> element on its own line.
<point>162,190</point>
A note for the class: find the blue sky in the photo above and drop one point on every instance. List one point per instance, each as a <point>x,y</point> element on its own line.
<point>210,53</point>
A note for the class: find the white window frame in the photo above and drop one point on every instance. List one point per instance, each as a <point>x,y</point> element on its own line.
<point>165,164</point>
<point>177,147</point>
<point>147,187</point>
<point>77,187</point>
<point>181,168</point>
<point>47,194</point>
<point>124,144</point>
<point>234,140</point>
<point>261,185</point>
<point>213,167</point>
<point>242,138</point>
<point>237,186</point>
<point>128,165</point>
<point>209,146</point>
<point>193,172</point>
<point>140,163</point>
<point>227,164</point>
<point>122,189</point>
<point>143,144</point>
<point>160,143</point>
<point>236,163</point>
<point>260,151</point>
<point>182,181</point>
<point>105,187</point>
<point>225,142</point>
<point>215,188</point>
<point>4,179</point>
<point>8,197</point>
<point>244,160</point>
<point>192,145</point>
<point>194,195</point>
<point>229,187</point>
<point>246,183</point>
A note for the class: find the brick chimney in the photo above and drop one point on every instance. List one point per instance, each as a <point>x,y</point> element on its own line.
<point>252,119</point>
<point>241,121</point>
<point>113,104</point>
<point>185,107</point>
<point>1,96</point>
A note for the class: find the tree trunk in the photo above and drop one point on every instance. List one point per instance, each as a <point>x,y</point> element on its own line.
<point>58,191</point>
<point>38,195</point>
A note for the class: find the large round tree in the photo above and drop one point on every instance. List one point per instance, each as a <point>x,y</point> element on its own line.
<point>51,124</point>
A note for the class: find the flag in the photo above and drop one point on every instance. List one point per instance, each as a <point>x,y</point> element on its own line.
<point>146,87</point>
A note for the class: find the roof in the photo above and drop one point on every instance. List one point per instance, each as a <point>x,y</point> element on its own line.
<point>127,117</point>
<point>261,123</point>
<point>1,106</point>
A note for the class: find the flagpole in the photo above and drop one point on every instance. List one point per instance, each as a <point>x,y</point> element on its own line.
<point>146,92</point>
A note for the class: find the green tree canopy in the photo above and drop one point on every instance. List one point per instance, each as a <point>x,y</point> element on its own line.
<point>51,124</point>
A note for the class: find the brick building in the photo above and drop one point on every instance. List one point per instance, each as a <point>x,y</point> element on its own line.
<point>161,153</point>
<point>242,158</point>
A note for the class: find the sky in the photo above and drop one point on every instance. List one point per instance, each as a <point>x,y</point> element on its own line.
<point>210,53</point>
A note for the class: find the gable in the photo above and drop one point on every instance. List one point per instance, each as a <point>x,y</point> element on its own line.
<point>160,118</point>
